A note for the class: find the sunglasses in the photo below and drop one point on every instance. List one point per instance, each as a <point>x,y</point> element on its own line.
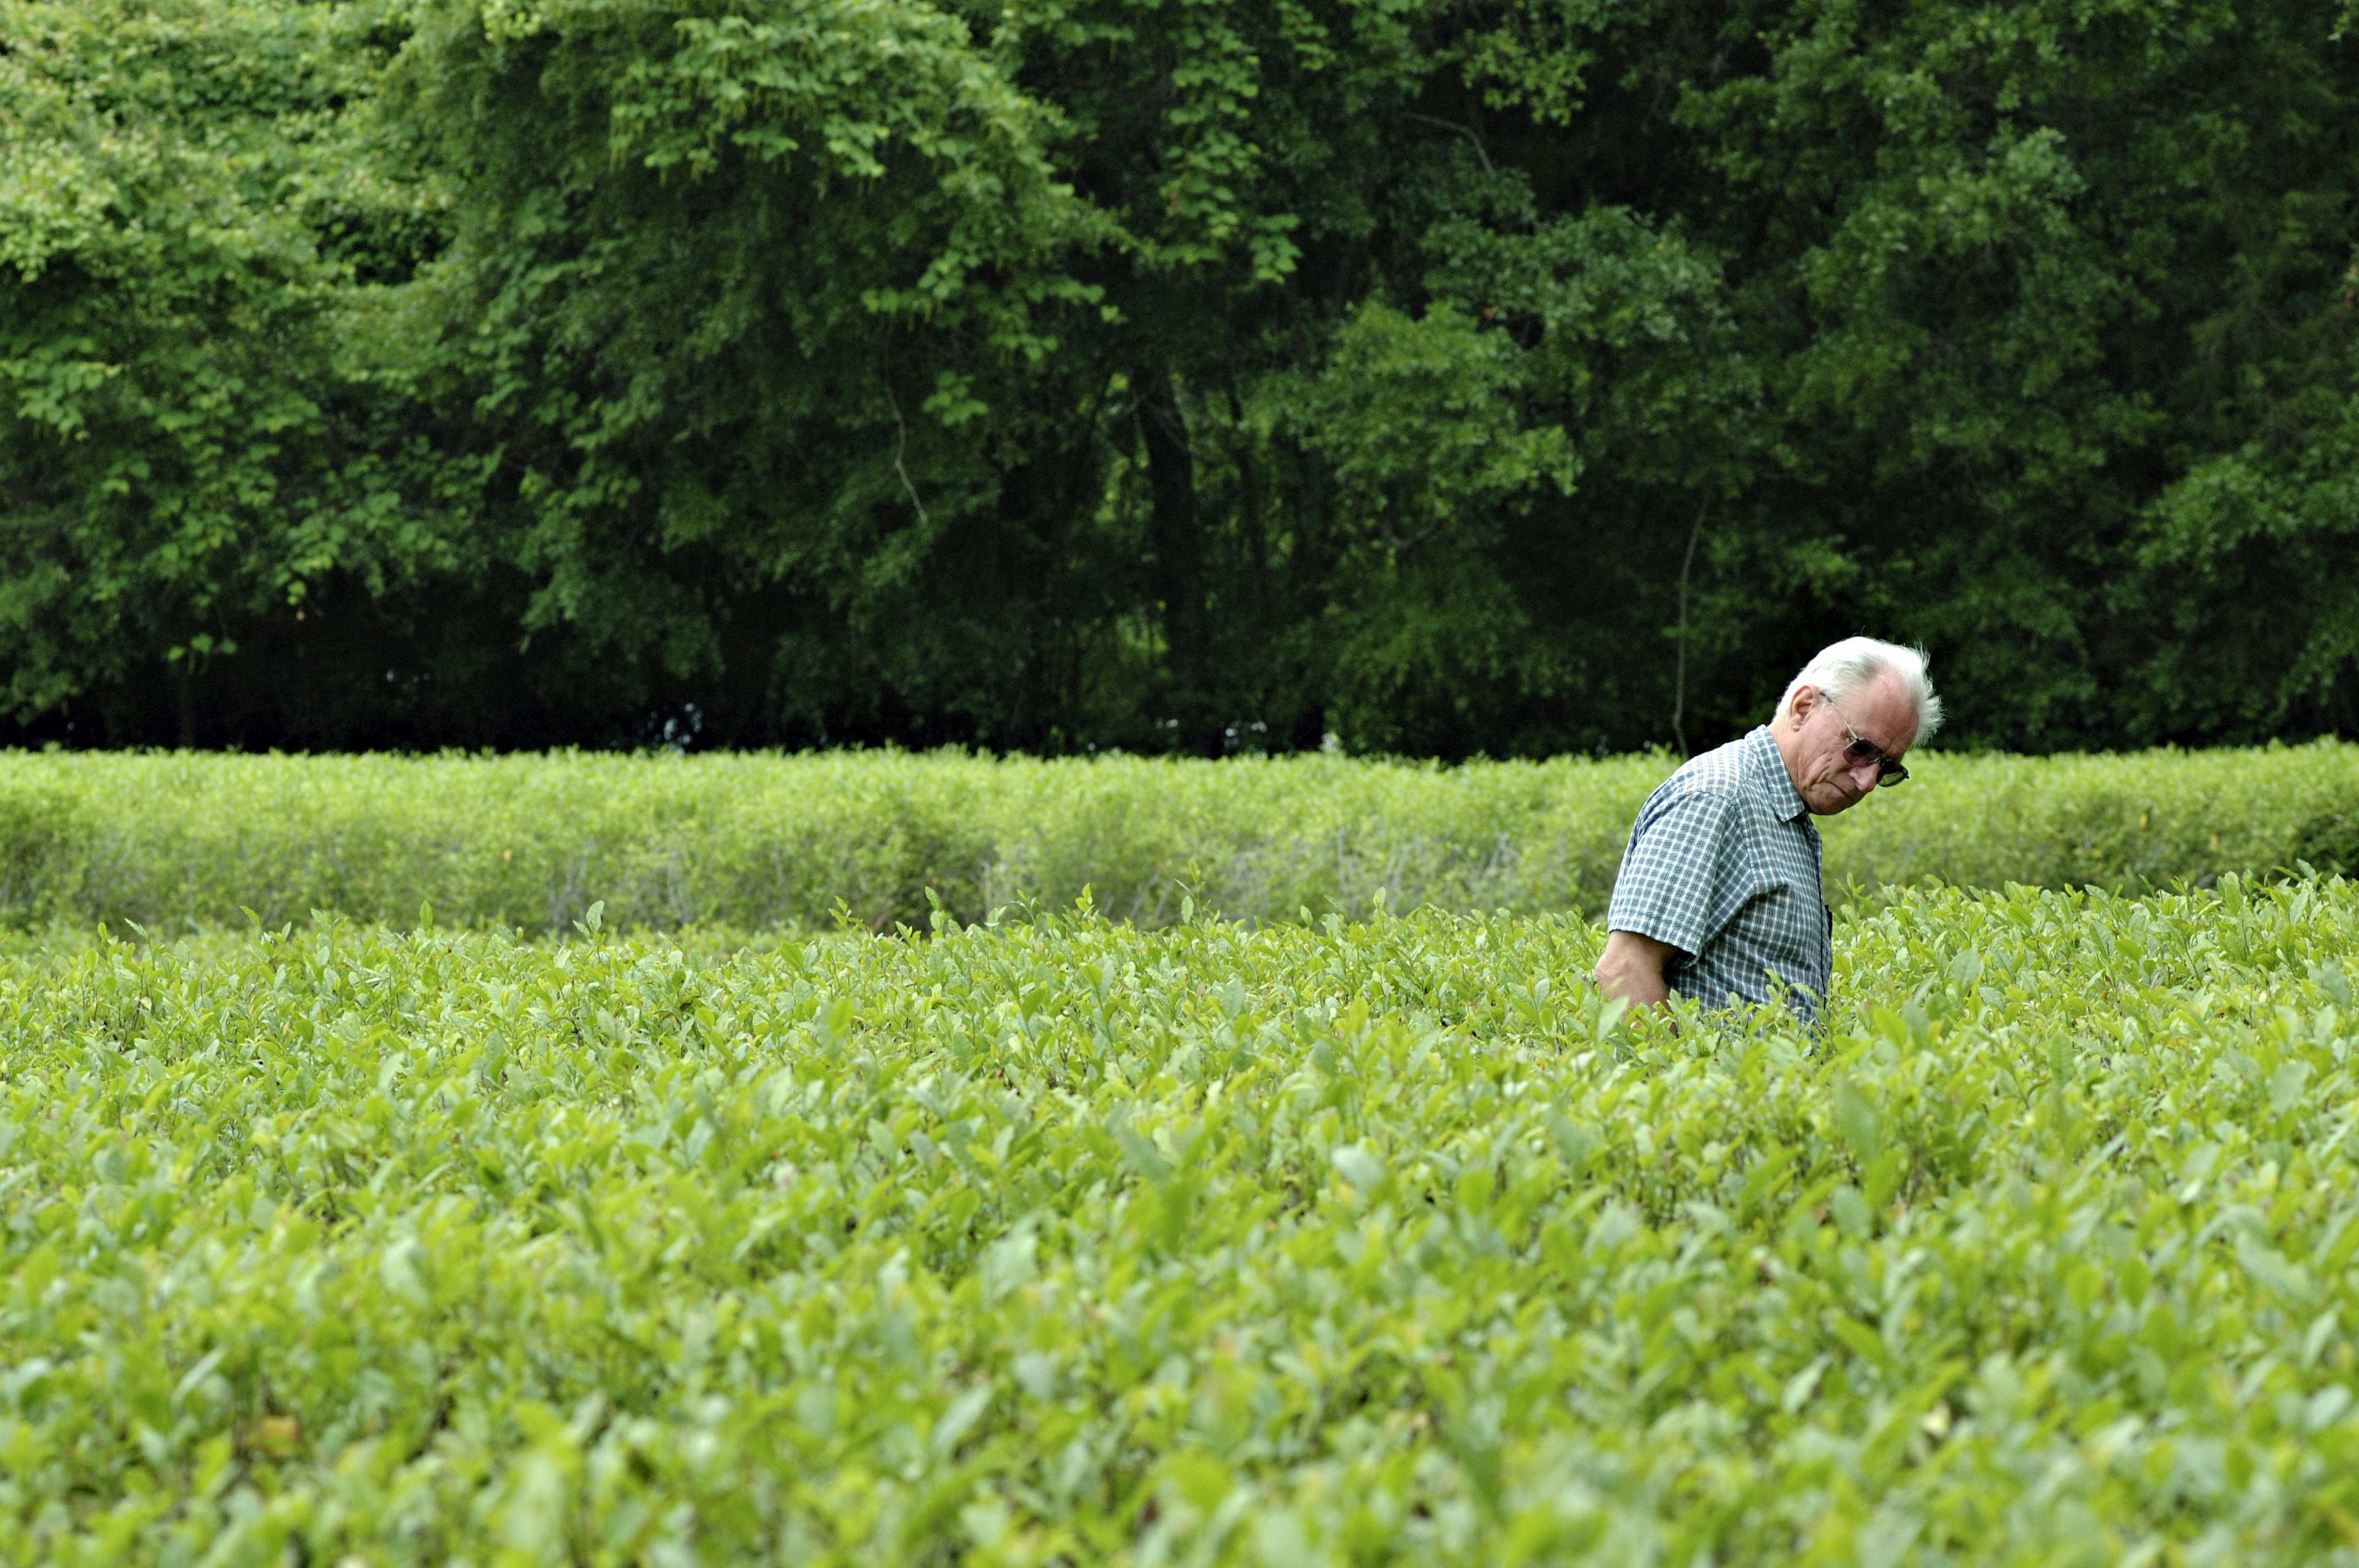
<point>1888,771</point>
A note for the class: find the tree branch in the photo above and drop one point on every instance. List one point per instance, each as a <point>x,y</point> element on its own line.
<point>1679,687</point>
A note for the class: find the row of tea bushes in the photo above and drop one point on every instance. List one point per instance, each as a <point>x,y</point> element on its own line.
<point>768,841</point>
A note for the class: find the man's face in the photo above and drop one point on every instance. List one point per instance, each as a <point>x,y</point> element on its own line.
<point>1826,776</point>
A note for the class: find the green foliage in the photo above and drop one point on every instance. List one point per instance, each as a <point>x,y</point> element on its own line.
<point>1456,378</point>
<point>1345,1242</point>
<point>2257,544</point>
<point>686,241</point>
<point>770,842</point>
<point>2134,823</point>
<point>193,433</point>
<point>1417,421</point>
<point>2018,304</point>
<point>885,838</point>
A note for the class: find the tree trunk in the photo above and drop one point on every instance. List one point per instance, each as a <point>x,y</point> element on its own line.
<point>1313,568</point>
<point>1178,544</point>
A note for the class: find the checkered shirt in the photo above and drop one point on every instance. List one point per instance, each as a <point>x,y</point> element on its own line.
<point>1723,864</point>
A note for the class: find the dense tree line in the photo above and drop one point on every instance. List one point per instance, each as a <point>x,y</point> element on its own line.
<point>1447,375</point>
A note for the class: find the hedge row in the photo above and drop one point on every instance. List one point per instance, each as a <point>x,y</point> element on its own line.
<point>766,840</point>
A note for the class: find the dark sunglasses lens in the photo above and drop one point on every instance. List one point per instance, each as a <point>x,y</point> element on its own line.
<point>1891,773</point>
<point>1861,750</point>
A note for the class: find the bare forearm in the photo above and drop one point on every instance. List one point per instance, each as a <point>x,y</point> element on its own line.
<point>1631,968</point>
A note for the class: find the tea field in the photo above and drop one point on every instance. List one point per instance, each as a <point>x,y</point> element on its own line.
<point>1065,1241</point>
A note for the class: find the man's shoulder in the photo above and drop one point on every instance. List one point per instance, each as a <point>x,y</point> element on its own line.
<point>1724,772</point>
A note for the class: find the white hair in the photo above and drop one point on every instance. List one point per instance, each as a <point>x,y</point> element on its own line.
<point>1841,668</point>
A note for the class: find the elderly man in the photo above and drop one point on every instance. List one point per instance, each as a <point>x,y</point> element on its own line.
<point>1720,896</point>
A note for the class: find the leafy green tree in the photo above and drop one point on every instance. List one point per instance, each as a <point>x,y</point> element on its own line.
<point>198,425</point>
<point>744,295</point>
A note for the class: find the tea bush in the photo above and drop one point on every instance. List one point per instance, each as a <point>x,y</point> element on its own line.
<point>753,841</point>
<point>1067,1241</point>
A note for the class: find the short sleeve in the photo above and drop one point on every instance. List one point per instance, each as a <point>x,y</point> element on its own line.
<point>1684,875</point>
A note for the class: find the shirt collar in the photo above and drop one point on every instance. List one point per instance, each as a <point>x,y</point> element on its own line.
<point>1784,800</point>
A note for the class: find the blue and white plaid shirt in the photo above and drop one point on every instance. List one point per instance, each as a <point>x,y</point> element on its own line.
<point>1724,866</point>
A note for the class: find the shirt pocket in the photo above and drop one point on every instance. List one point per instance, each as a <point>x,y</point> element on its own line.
<point>1786,930</point>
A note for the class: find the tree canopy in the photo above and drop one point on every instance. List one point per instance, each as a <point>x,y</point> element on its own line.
<point>1445,376</point>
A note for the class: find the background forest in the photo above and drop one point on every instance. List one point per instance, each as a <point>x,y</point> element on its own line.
<point>1516,376</point>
